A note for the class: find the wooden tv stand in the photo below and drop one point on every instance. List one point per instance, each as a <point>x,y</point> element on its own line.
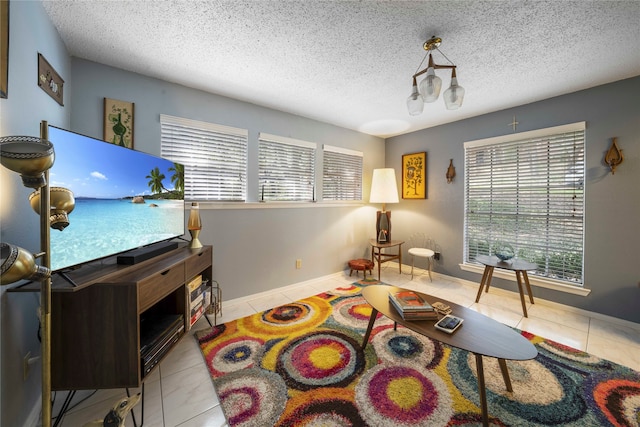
<point>95,326</point>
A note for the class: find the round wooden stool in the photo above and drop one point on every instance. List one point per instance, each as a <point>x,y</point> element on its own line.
<point>361,265</point>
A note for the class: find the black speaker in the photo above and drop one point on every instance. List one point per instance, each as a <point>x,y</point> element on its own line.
<point>142,254</point>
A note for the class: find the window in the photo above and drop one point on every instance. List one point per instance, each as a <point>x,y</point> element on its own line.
<point>528,190</point>
<point>341,174</point>
<point>287,169</point>
<point>214,157</point>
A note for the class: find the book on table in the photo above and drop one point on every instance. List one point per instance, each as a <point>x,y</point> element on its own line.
<point>427,315</point>
<point>410,301</point>
<point>412,306</point>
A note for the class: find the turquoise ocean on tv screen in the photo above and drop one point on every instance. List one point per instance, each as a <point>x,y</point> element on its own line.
<point>108,233</point>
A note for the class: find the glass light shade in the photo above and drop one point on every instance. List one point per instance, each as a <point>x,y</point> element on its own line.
<point>194,225</point>
<point>383,186</point>
<point>454,95</point>
<point>62,204</point>
<point>19,264</point>
<point>29,156</point>
<point>430,86</point>
<point>415,103</point>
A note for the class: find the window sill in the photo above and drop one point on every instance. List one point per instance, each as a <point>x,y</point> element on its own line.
<point>275,205</point>
<point>533,280</point>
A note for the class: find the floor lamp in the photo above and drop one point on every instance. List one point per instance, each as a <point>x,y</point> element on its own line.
<point>32,157</point>
<point>383,190</point>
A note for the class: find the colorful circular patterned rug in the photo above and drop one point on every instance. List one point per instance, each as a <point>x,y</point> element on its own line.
<point>301,364</point>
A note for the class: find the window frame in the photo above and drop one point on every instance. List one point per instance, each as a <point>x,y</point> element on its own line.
<point>291,162</point>
<point>525,140</point>
<point>219,170</point>
<point>345,158</point>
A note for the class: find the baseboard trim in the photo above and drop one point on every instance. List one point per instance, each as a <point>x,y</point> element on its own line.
<point>282,289</point>
<point>533,280</point>
<point>34,419</point>
<point>469,283</point>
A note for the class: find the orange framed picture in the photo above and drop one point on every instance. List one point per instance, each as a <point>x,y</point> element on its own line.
<point>414,176</point>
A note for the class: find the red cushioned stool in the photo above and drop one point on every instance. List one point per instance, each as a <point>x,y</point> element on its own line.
<point>361,265</point>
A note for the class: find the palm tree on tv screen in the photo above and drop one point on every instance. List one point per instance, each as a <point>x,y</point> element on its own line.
<point>155,180</point>
<point>177,179</point>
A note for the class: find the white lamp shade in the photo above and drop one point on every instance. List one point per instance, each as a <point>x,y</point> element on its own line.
<point>383,186</point>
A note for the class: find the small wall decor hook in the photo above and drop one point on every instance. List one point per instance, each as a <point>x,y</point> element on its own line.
<point>614,156</point>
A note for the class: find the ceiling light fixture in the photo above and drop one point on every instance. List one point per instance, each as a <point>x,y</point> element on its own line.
<point>430,87</point>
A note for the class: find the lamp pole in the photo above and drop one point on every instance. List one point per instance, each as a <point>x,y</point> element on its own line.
<point>45,291</point>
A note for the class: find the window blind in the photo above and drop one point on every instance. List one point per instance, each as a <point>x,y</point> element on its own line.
<point>286,169</point>
<point>214,157</point>
<point>527,190</point>
<point>342,174</point>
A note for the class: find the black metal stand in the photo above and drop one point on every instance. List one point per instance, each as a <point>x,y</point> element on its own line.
<point>215,302</point>
<point>72,393</point>
<point>133,416</point>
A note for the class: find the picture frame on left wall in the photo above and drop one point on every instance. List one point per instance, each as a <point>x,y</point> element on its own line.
<point>4,49</point>
<point>118,122</point>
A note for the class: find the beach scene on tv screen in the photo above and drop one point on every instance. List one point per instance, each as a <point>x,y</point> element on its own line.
<point>124,199</point>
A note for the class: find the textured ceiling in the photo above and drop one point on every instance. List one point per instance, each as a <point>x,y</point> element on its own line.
<point>350,63</point>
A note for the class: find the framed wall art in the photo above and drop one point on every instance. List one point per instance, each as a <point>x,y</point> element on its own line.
<point>118,122</point>
<point>4,48</point>
<point>50,81</point>
<point>414,176</point>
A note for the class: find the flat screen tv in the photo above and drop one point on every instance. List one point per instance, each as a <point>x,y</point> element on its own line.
<point>124,199</point>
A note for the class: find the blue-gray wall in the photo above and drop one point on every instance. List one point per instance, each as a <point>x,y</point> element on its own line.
<point>612,206</point>
<point>255,248</point>
<point>20,114</point>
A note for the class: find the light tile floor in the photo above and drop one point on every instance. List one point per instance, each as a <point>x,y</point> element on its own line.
<point>180,391</point>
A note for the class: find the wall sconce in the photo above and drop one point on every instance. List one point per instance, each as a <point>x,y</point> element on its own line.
<point>614,156</point>
<point>430,86</point>
<point>62,204</point>
<point>19,264</point>
<point>29,156</point>
<point>451,172</point>
<point>383,190</point>
<point>194,226</point>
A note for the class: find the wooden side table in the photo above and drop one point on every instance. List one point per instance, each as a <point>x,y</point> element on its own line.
<point>378,255</point>
<point>519,266</point>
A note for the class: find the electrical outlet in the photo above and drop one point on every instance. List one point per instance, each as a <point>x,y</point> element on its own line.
<point>436,256</point>
<point>298,264</point>
<point>26,366</point>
